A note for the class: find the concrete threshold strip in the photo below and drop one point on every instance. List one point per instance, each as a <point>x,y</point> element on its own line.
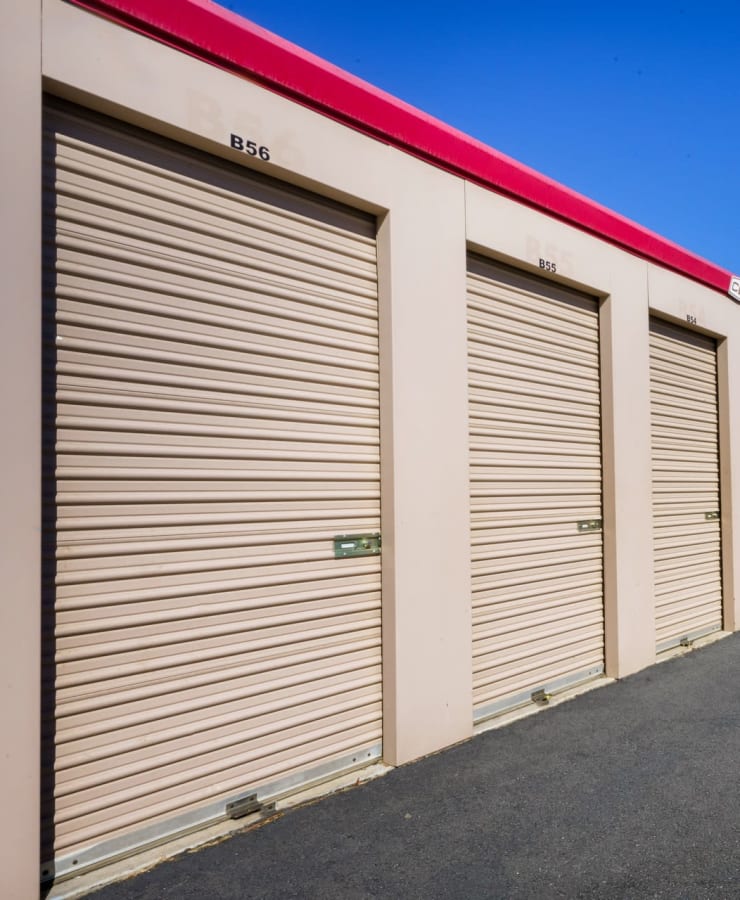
<point>144,860</point>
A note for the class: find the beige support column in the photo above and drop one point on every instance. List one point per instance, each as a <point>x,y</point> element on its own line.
<point>628,539</point>
<point>20,413</point>
<point>728,378</point>
<point>427,643</point>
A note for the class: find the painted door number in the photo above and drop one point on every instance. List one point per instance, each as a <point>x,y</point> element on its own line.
<point>237,142</point>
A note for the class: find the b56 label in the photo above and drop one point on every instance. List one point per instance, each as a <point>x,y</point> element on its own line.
<point>251,148</point>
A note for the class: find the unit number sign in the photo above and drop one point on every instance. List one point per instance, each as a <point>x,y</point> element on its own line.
<point>251,148</point>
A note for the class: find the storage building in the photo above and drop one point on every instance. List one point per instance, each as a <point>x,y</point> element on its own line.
<point>331,433</point>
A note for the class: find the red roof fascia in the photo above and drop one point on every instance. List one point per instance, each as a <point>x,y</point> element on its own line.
<point>215,35</point>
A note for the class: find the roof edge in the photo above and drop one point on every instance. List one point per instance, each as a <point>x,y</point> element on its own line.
<point>222,38</point>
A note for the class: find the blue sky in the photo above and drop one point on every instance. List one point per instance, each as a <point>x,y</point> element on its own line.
<point>634,105</point>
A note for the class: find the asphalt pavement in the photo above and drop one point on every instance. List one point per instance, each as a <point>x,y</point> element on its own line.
<point>629,791</point>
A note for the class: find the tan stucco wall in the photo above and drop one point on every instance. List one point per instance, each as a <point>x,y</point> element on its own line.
<point>424,467</point>
<point>427,221</point>
<point>628,534</point>
<point>20,412</point>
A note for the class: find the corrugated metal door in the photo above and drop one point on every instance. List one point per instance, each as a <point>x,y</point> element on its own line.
<point>535,450</point>
<point>216,379</point>
<point>685,449</point>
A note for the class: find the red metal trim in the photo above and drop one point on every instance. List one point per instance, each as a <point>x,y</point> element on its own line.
<point>219,37</point>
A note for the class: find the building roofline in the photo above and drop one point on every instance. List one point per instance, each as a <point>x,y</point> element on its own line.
<point>222,38</point>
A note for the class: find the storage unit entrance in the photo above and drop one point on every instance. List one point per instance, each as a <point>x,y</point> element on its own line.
<point>212,402</point>
<point>686,512</point>
<point>535,485</point>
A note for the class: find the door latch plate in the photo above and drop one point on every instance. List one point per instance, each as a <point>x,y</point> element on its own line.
<point>356,545</point>
<point>589,525</point>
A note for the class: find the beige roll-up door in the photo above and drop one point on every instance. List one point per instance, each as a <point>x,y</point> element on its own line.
<point>214,360</point>
<point>535,452</point>
<point>686,522</point>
